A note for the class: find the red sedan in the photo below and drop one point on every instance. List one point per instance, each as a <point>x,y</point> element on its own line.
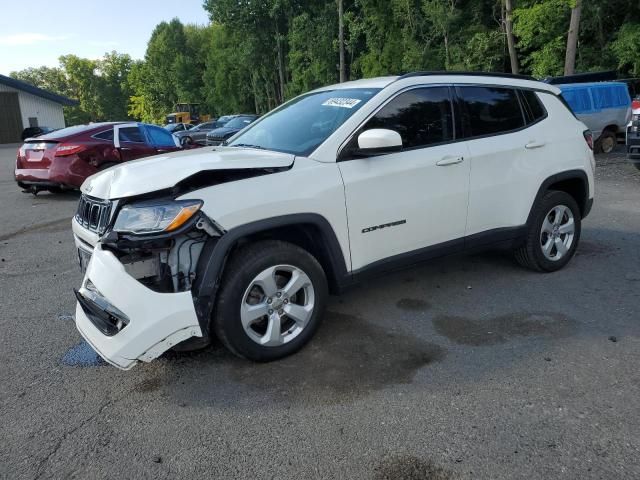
<point>63,159</point>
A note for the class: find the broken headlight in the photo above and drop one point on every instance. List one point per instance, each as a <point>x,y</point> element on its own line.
<point>155,217</point>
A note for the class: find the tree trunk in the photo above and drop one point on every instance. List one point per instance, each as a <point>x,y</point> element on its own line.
<point>446,52</point>
<point>572,39</point>
<point>511,43</point>
<point>343,67</point>
<point>281,68</point>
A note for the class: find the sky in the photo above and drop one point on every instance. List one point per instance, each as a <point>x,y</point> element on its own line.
<point>36,32</point>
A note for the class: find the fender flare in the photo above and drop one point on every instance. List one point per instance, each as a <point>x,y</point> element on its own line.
<point>216,251</point>
<point>558,177</point>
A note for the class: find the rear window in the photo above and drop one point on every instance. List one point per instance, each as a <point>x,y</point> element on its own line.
<point>106,135</point>
<point>490,110</point>
<point>69,131</point>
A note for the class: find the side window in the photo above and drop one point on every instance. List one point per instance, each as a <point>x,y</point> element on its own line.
<point>422,117</point>
<point>490,110</point>
<point>131,134</point>
<point>533,106</point>
<point>160,137</point>
<point>106,135</point>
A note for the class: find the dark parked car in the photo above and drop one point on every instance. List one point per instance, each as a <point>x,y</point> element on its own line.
<point>178,127</point>
<point>31,132</point>
<point>64,158</point>
<point>196,135</point>
<point>219,135</point>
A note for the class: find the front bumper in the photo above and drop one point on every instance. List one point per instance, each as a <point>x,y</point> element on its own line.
<point>633,148</point>
<point>155,322</point>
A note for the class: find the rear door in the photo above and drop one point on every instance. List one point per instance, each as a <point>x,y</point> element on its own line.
<point>131,142</point>
<point>504,170</point>
<point>162,140</point>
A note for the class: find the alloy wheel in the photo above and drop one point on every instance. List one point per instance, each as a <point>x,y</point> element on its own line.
<point>277,306</point>
<point>558,232</point>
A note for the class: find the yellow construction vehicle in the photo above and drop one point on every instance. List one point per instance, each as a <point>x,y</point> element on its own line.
<point>187,113</point>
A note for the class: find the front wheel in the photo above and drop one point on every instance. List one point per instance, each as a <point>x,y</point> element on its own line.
<point>271,301</point>
<point>553,235</point>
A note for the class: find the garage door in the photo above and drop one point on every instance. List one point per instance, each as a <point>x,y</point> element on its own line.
<point>10,121</point>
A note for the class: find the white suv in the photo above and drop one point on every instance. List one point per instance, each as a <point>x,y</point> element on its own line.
<point>245,241</point>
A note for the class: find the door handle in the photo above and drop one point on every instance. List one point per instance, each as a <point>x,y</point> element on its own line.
<point>533,144</point>
<point>446,161</point>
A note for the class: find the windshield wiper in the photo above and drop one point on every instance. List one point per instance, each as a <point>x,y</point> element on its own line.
<point>247,145</point>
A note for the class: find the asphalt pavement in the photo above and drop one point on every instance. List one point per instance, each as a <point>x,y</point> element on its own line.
<point>467,367</point>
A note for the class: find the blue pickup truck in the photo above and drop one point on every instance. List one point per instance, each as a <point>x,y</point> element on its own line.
<point>604,107</point>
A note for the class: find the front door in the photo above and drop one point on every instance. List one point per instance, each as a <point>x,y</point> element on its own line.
<point>405,201</point>
<point>131,142</point>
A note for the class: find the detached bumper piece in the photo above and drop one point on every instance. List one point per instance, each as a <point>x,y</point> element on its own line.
<point>125,321</point>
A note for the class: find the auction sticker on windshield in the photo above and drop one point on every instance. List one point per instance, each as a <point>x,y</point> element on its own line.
<point>342,102</point>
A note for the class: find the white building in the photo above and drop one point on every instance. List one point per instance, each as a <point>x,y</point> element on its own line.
<point>22,105</point>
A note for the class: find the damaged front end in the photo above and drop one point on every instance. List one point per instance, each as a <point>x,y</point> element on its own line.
<point>135,301</point>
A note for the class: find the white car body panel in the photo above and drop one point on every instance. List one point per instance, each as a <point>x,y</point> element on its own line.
<point>405,187</point>
<point>378,207</point>
<point>258,198</point>
<point>164,171</point>
<point>157,320</point>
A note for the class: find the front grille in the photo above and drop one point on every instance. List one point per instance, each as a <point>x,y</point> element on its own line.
<point>93,214</point>
<point>211,141</point>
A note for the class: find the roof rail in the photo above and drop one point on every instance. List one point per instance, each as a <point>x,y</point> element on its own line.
<point>471,74</point>
<point>588,77</point>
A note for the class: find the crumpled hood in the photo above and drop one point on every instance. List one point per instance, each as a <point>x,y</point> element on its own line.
<point>164,171</point>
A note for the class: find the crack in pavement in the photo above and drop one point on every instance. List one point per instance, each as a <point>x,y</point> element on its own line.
<point>36,228</point>
<point>40,470</point>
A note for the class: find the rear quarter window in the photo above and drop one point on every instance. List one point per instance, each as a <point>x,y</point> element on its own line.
<point>533,106</point>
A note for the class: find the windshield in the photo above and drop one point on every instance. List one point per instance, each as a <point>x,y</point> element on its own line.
<point>239,122</point>
<point>300,126</point>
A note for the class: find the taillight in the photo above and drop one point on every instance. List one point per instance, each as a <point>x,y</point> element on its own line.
<point>588,137</point>
<point>635,104</point>
<point>68,149</point>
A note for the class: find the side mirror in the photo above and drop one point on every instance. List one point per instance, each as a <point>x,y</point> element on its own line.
<point>378,141</point>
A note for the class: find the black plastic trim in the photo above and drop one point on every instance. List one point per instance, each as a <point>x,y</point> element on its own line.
<point>558,177</point>
<point>508,237</point>
<point>216,250</point>
<point>98,317</point>
<point>404,260</point>
<point>466,74</point>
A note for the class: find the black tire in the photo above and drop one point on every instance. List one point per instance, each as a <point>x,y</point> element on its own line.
<point>186,141</point>
<point>531,255</point>
<point>242,268</point>
<point>607,142</point>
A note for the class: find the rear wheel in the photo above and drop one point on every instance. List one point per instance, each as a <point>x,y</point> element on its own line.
<point>607,142</point>
<point>553,235</point>
<point>271,301</point>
